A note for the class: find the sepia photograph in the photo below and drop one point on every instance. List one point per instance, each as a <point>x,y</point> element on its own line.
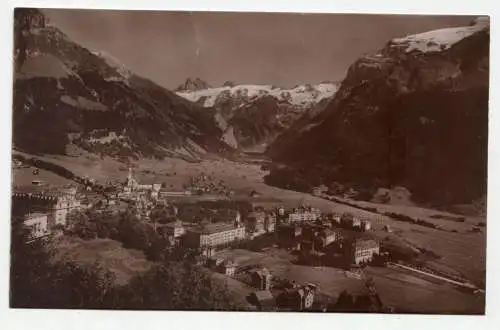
<point>249,161</point>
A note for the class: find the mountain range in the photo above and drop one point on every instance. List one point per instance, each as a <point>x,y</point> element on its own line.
<point>414,114</point>
<point>253,116</point>
<point>65,94</point>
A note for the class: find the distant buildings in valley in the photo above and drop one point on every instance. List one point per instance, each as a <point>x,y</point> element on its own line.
<point>208,226</point>
<point>289,235</point>
<point>261,279</point>
<point>37,223</point>
<point>298,298</point>
<point>263,300</point>
<point>133,189</point>
<point>207,184</point>
<point>260,222</point>
<point>175,230</point>
<point>42,204</point>
<point>212,235</point>
<point>303,214</point>
<point>228,268</point>
<point>363,250</point>
<point>349,220</point>
<point>329,236</point>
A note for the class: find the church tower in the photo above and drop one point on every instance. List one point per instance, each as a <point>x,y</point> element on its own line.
<point>129,177</point>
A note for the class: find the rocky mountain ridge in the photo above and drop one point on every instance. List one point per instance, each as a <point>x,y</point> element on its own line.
<point>252,116</point>
<point>192,85</point>
<point>65,94</point>
<point>414,114</point>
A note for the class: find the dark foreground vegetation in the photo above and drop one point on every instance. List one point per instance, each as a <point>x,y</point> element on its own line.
<point>37,281</point>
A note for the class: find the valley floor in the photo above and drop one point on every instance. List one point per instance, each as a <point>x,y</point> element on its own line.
<point>460,252</point>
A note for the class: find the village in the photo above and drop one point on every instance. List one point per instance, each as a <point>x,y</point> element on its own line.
<point>215,227</point>
<point>245,241</point>
<point>316,162</point>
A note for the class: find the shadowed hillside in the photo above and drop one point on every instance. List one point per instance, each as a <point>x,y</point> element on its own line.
<point>415,115</point>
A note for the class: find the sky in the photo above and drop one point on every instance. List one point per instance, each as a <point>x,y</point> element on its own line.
<point>251,48</point>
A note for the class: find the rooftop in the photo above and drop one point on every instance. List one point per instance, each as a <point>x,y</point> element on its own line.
<point>212,228</point>
<point>45,190</point>
<point>263,272</point>
<point>264,296</point>
<point>256,214</point>
<point>35,215</point>
<point>329,232</point>
<point>365,243</point>
<point>175,224</point>
<point>305,210</point>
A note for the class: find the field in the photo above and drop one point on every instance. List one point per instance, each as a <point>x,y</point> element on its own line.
<point>330,281</point>
<point>443,219</point>
<point>460,252</point>
<point>24,176</point>
<point>124,263</point>
<point>418,295</point>
<point>408,292</point>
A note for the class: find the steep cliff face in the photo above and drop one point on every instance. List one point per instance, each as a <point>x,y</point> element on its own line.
<point>65,94</point>
<point>415,115</point>
<point>252,116</point>
<point>257,123</point>
<point>192,85</point>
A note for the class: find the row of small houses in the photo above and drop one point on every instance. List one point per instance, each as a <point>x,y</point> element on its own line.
<point>211,236</point>
<point>293,297</point>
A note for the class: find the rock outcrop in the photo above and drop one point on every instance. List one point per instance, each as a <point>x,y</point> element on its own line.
<point>415,114</point>
<point>255,115</point>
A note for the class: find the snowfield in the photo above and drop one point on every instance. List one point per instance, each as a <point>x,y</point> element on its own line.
<point>303,95</point>
<point>439,40</point>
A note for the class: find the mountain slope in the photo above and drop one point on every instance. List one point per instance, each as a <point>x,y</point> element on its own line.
<point>415,115</point>
<point>252,116</point>
<point>64,94</point>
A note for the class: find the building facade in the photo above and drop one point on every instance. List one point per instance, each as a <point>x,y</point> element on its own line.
<point>363,250</point>
<point>132,188</point>
<point>366,225</point>
<point>289,235</point>
<point>261,279</point>
<point>254,223</point>
<point>297,299</point>
<point>214,234</point>
<point>270,223</point>
<point>174,229</point>
<point>304,214</point>
<point>350,221</point>
<point>264,300</point>
<point>38,224</point>
<point>329,236</point>
<point>57,203</point>
<point>228,268</point>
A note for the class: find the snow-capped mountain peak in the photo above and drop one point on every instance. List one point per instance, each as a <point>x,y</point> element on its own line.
<point>302,95</point>
<point>252,116</point>
<point>439,40</point>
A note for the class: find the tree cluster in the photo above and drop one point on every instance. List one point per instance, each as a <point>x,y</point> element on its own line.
<point>124,227</point>
<point>37,281</point>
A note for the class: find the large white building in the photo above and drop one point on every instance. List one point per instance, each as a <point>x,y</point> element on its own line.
<point>214,234</point>
<point>57,203</point>
<point>304,214</point>
<point>363,250</point>
<point>37,223</point>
